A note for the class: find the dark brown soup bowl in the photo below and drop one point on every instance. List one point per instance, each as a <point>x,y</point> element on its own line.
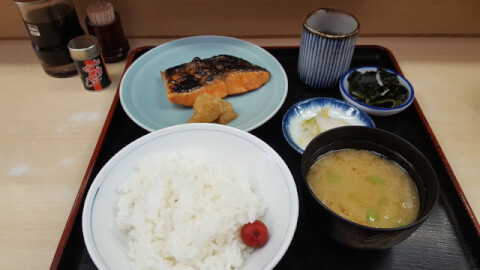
<point>390,146</point>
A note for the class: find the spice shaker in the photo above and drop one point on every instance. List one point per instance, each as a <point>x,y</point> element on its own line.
<point>87,55</point>
<point>51,24</point>
<point>104,22</point>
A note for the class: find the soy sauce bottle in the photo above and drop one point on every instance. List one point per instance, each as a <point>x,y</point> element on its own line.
<point>51,24</point>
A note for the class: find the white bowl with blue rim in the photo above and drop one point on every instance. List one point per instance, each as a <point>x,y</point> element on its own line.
<point>270,177</point>
<point>375,110</point>
<point>327,112</point>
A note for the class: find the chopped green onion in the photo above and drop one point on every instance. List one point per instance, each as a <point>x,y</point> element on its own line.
<point>308,121</point>
<point>372,215</point>
<point>334,178</point>
<point>402,222</point>
<point>376,179</point>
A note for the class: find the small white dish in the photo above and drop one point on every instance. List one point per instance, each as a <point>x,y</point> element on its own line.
<point>108,245</point>
<point>373,110</point>
<point>340,112</point>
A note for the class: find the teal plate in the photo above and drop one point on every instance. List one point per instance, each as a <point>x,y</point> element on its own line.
<point>143,94</point>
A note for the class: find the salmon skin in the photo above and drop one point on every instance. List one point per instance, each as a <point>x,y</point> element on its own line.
<point>219,76</point>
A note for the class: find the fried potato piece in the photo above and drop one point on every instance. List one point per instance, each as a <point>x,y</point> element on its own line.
<point>210,109</point>
<point>228,113</point>
<point>206,109</point>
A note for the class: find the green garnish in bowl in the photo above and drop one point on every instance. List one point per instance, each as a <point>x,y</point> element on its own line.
<point>378,88</point>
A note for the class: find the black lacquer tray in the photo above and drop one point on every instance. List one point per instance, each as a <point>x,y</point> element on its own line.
<point>449,239</point>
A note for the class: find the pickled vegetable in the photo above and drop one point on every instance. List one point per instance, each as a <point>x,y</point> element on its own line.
<point>379,88</point>
<point>317,124</point>
<point>254,234</point>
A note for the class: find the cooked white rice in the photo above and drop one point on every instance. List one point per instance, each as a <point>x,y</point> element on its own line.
<point>185,211</point>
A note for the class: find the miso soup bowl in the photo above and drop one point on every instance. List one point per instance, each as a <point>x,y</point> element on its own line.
<point>388,145</point>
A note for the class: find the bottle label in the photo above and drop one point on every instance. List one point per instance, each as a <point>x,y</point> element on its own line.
<point>34,31</point>
<point>55,33</point>
<point>94,74</point>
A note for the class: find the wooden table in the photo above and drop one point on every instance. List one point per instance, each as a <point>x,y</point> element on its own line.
<point>49,128</point>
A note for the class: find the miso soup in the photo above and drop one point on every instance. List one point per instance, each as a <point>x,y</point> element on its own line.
<point>365,187</point>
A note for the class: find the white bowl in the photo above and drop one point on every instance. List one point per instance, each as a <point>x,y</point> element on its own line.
<point>308,108</point>
<point>107,245</point>
<point>372,110</point>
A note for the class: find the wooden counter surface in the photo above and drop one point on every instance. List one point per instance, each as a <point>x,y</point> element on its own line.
<point>49,128</point>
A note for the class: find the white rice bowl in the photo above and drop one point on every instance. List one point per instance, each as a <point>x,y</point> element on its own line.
<point>184,210</point>
<point>127,225</point>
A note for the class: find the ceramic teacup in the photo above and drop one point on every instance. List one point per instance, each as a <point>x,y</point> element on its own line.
<point>326,48</point>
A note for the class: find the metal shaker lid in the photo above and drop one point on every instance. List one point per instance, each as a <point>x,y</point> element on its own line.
<point>29,1</point>
<point>84,47</point>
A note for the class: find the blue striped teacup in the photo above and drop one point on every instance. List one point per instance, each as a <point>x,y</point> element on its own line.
<point>326,47</point>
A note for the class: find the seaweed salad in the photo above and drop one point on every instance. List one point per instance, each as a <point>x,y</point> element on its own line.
<point>378,88</point>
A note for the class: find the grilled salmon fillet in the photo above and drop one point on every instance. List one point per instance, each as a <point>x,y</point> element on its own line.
<point>218,76</point>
